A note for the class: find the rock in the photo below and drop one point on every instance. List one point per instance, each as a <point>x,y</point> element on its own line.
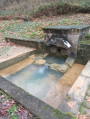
<point>65,51</point>
<point>59,41</point>
<point>40,62</point>
<point>40,56</point>
<point>53,49</point>
<point>62,68</point>
<point>70,61</point>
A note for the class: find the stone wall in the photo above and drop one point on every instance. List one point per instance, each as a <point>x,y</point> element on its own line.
<point>83,53</point>
<point>33,43</point>
<point>72,34</point>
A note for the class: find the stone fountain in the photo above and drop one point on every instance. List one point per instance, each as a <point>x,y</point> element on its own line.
<point>65,40</point>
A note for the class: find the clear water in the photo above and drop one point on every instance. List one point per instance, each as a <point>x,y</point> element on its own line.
<point>37,80</point>
<point>54,59</point>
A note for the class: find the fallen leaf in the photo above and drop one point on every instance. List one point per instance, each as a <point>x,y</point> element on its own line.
<point>70,104</point>
<point>78,88</point>
<point>81,116</point>
<point>88,100</point>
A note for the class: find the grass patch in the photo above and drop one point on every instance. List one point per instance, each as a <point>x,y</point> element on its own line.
<point>38,8</point>
<point>12,109</point>
<point>86,42</point>
<point>88,36</point>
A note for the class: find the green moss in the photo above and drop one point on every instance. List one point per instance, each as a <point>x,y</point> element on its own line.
<point>14,116</point>
<point>88,36</point>
<point>84,113</point>
<point>69,114</point>
<point>33,34</point>
<point>85,42</point>
<point>45,108</point>
<point>12,109</point>
<point>84,105</point>
<point>87,94</point>
<point>57,113</point>
<point>29,94</point>
<point>68,98</point>
<point>80,109</point>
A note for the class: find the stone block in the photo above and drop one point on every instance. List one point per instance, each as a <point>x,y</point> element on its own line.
<point>86,70</point>
<point>78,90</point>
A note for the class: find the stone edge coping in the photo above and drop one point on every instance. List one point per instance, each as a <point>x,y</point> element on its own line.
<point>23,39</point>
<point>67,27</point>
<point>33,104</point>
<point>15,59</point>
<point>17,55</point>
<point>76,93</point>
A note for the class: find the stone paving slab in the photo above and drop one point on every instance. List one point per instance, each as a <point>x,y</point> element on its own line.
<point>85,105</point>
<point>78,90</point>
<point>64,108</point>
<point>86,70</point>
<point>6,62</point>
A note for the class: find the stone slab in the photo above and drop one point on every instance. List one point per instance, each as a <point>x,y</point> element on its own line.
<point>86,70</point>
<point>14,59</point>
<point>64,107</point>
<point>32,43</point>
<point>68,27</point>
<point>70,61</point>
<point>22,39</point>
<point>33,104</point>
<point>56,95</point>
<point>78,90</point>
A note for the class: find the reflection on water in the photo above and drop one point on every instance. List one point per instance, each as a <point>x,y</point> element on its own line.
<point>54,59</point>
<point>37,80</point>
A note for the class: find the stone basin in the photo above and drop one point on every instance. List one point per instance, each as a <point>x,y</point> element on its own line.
<point>66,89</point>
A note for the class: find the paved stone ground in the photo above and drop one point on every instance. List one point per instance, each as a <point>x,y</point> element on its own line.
<point>80,90</point>
<point>85,106</point>
<point>10,49</point>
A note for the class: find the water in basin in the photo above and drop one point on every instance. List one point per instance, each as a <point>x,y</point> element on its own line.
<point>54,59</point>
<point>37,80</point>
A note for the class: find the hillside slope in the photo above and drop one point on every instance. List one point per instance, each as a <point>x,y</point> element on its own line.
<point>42,7</point>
